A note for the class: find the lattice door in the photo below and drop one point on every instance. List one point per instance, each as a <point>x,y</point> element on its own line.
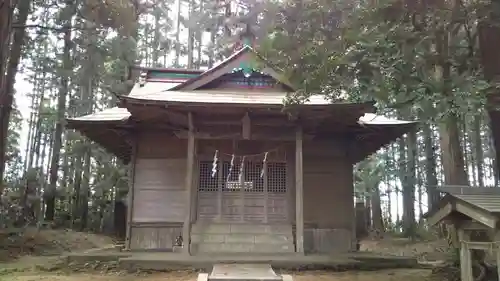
<point>242,194</point>
<point>277,198</point>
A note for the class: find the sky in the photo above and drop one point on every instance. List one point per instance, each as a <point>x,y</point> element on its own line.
<point>22,88</point>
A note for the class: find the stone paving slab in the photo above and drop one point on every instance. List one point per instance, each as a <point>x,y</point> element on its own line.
<point>243,272</point>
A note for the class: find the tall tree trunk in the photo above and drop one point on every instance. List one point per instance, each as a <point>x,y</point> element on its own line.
<point>85,191</point>
<point>7,82</point>
<point>199,38</point>
<point>478,149</point>
<point>378,223</point>
<point>453,160</point>
<point>430,166</point>
<point>156,39</point>
<point>77,183</point>
<point>31,125</point>
<point>211,56</point>
<point>452,154</point>
<point>61,108</point>
<point>488,30</point>
<point>464,144</point>
<point>177,35</point>
<point>409,223</point>
<point>191,33</point>
<point>388,182</point>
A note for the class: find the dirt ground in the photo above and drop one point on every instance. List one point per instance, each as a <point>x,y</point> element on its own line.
<point>423,250</point>
<point>386,275</point>
<point>48,242</point>
<point>23,258</point>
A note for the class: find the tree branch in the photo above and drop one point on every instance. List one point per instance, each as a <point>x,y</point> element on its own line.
<point>59,29</point>
<point>54,28</point>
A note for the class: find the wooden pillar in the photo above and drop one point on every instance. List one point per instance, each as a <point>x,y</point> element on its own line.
<point>498,257</point>
<point>130,195</point>
<point>220,186</point>
<point>496,245</point>
<point>465,256</point>
<point>266,191</point>
<point>241,180</point>
<point>299,193</point>
<point>186,229</point>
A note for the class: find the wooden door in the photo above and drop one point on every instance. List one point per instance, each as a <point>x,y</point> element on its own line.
<point>242,192</point>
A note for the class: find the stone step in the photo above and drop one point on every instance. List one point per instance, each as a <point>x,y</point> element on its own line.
<point>241,238</point>
<point>243,272</point>
<point>242,248</point>
<point>219,228</point>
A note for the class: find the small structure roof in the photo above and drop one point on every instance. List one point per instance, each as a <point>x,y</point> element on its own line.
<point>483,197</point>
<point>477,203</point>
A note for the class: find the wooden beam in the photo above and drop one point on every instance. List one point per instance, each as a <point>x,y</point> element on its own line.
<point>299,192</point>
<point>186,229</point>
<point>235,119</point>
<point>246,127</point>
<point>440,214</point>
<point>144,113</point>
<point>473,225</point>
<point>177,117</point>
<point>278,136</point>
<point>485,246</point>
<point>130,195</point>
<point>207,136</point>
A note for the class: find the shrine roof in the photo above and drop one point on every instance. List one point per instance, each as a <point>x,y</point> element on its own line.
<point>246,59</point>
<point>478,203</point>
<point>230,83</point>
<point>220,97</point>
<point>119,114</point>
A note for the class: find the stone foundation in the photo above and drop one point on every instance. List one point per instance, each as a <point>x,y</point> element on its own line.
<point>241,238</point>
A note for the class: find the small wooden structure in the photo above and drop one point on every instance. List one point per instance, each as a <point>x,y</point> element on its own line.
<point>468,210</point>
<point>219,164</point>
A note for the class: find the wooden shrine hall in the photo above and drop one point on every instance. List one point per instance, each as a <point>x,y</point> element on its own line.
<point>219,163</point>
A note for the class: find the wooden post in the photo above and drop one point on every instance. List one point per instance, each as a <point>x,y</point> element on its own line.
<point>266,192</point>
<point>130,195</point>
<point>241,180</point>
<point>497,247</point>
<point>496,241</point>
<point>186,229</point>
<point>299,193</point>
<point>465,256</point>
<point>220,186</point>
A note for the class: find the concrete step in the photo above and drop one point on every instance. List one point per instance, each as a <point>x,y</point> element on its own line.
<point>262,248</point>
<point>243,272</point>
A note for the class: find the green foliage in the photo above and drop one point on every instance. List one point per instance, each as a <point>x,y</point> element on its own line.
<point>356,53</point>
<point>367,176</point>
<point>14,161</point>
